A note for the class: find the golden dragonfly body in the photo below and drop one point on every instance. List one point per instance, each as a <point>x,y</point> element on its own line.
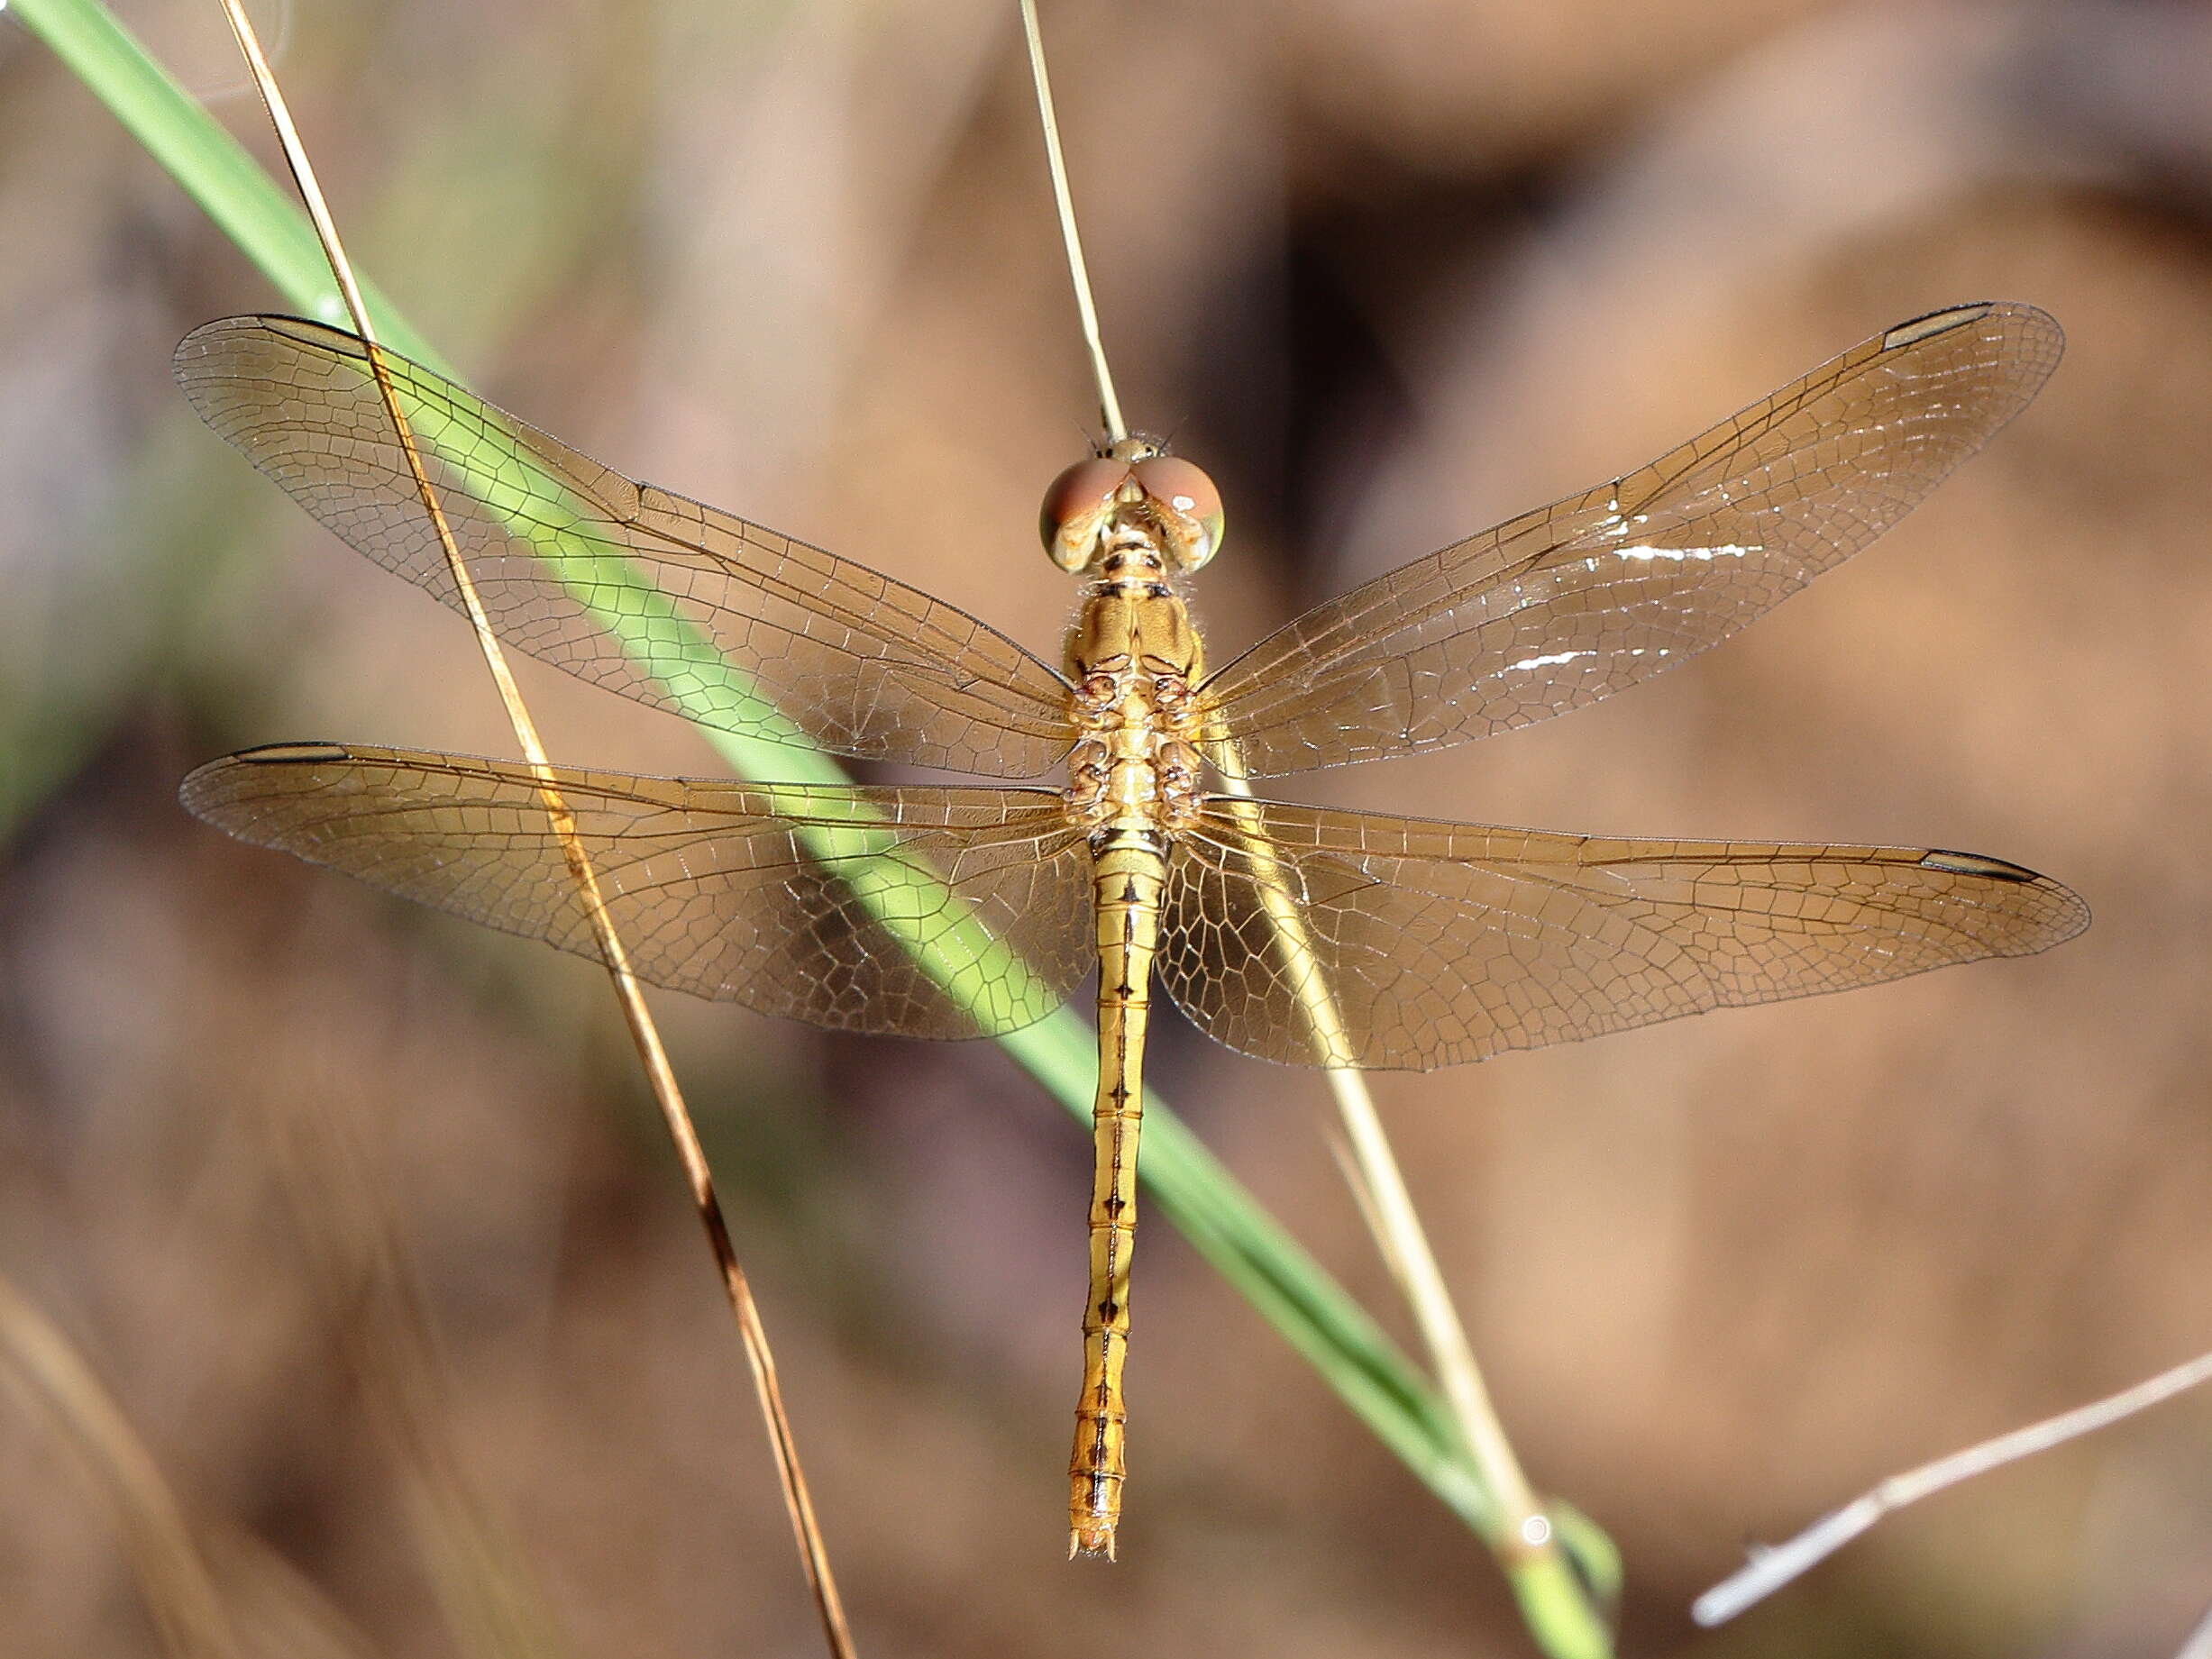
<point>1133,656</point>
<point>1287,932</point>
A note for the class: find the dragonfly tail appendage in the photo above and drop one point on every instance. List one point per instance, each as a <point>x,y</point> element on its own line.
<point>1130,880</point>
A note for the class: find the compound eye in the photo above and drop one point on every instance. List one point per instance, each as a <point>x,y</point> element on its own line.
<point>1076,505</point>
<point>1191,507</point>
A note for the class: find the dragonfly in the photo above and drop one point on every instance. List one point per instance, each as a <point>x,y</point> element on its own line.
<point>1122,836</point>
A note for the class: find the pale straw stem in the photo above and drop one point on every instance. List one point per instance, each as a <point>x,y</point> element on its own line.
<point>644,1033</point>
<point>2199,1641</point>
<point>1771,1567</point>
<point>1109,406</point>
<point>40,1364</point>
<point>1379,1189</point>
<point>1405,1244</point>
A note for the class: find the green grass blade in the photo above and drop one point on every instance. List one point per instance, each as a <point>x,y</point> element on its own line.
<point>1222,1221</point>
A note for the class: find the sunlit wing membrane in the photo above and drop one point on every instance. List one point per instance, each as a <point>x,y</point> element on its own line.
<point>913,912</point>
<point>1431,944</point>
<point>665,600</point>
<point>1571,603</point>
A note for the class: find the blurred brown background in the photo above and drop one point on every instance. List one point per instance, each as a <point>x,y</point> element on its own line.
<point>363,1216</point>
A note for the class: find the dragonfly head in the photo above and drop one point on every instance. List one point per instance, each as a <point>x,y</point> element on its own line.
<point>1135,494</point>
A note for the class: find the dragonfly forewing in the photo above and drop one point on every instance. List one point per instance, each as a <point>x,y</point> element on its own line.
<point>1565,604</point>
<point>912,912</point>
<point>1437,943</point>
<point>676,603</point>
<point>1291,933</point>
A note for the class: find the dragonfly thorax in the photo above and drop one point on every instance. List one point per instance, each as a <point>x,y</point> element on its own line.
<point>1134,657</point>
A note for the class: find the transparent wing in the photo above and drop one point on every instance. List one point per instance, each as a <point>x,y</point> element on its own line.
<point>1437,943</point>
<point>1571,603</point>
<point>665,600</point>
<point>815,903</point>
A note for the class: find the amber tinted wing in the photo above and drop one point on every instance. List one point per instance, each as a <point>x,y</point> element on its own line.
<point>815,903</point>
<point>665,600</point>
<point>1563,606</point>
<point>1437,943</point>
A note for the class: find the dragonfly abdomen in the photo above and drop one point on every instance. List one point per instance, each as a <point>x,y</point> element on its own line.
<point>1129,875</point>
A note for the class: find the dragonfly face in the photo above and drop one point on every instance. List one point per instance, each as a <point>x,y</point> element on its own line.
<point>1134,495</point>
<point>1286,932</point>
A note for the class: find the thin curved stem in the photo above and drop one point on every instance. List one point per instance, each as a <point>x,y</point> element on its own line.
<point>1773,1566</point>
<point>1109,406</point>
<point>644,1034</point>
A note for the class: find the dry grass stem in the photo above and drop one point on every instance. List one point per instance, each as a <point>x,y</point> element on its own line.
<point>277,1608</point>
<point>1389,1210</point>
<point>1521,1530</point>
<point>1771,1567</point>
<point>265,1605</point>
<point>491,1603</point>
<point>645,1035</point>
<point>2200,1644</point>
<point>1109,405</point>
<point>40,1366</point>
<point>1521,1534</point>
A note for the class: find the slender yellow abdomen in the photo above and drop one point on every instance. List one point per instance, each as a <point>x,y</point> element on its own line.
<point>1130,875</point>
